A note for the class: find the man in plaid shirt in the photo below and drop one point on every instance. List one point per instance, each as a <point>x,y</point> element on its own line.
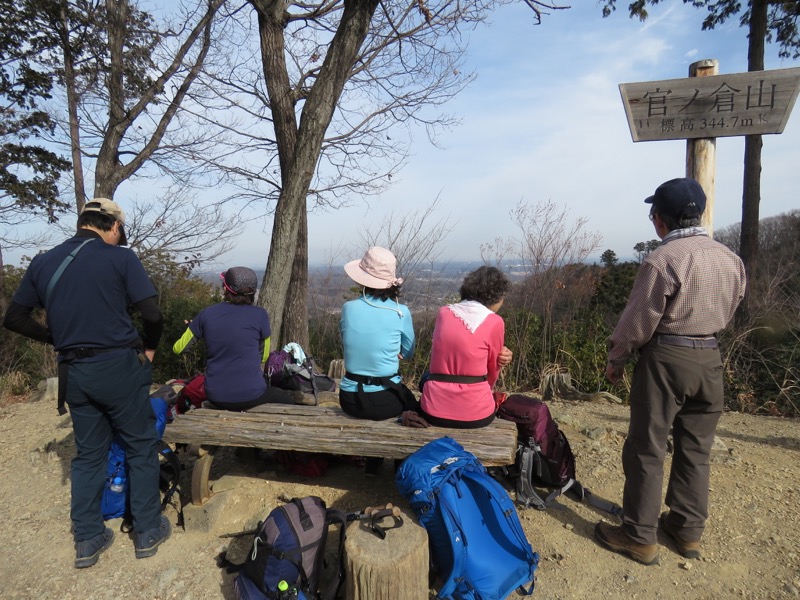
<point>685,292</point>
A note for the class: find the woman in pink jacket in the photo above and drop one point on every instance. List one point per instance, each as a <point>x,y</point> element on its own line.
<point>467,354</point>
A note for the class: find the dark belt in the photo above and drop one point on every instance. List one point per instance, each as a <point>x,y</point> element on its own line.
<point>698,343</point>
<point>67,357</point>
<point>457,378</point>
<point>371,380</point>
<point>398,389</point>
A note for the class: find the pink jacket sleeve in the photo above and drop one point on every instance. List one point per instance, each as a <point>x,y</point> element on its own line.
<point>496,340</point>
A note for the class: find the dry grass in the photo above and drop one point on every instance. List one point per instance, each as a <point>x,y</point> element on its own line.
<point>14,388</point>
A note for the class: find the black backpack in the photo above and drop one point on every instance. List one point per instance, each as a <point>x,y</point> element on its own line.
<point>286,373</point>
<point>287,553</point>
<point>544,457</point>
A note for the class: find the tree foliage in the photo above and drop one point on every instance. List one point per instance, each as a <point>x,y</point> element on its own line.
<point>642,249</point>
<point>118,78</point>
<point>609,258</point>
<point>782,18</point>
<point>29,171</point>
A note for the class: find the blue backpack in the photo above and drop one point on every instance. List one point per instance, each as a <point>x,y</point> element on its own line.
<point>476,540</point>
<point>115,502</point>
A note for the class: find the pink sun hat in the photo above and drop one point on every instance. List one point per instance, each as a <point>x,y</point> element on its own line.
<point>376,269</point>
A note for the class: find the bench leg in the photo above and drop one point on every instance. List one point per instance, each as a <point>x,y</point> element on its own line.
<point>202,468</point>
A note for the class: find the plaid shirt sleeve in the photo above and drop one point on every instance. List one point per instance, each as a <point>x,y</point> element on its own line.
<point>646,306</point>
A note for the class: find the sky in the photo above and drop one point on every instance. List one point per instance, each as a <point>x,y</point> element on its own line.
<point>544,121</point>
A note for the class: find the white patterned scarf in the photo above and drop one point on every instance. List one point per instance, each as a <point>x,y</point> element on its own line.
<point>683,233</point>
<point>470,312</point>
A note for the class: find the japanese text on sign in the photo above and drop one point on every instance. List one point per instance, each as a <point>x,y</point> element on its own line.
<point>707,107</point>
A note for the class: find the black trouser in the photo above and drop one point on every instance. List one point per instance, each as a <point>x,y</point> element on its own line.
<point>452,424</point>
<point>105,397</point>
<point>680,388</point>
<point>376,406</point>
<point>271,395</point>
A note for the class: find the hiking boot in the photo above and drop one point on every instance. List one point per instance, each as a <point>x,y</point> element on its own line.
<point>147,542</point>
<point>613,538</point>
<point>302,398</point>
<point>685,548</point>
<point>88,551</point>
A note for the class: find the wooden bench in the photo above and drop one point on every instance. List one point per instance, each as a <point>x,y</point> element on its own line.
<point>322,429</point>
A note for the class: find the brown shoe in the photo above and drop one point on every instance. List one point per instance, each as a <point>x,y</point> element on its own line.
<point>302,398</point>
<point>685,548</point>
<point>613,538</point>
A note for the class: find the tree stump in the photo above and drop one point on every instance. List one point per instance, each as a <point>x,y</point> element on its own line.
<point>557,384</point>
<point>395,568</point>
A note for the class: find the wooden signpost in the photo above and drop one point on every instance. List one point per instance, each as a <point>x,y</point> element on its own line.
<point>706,106</point>
<point>752,103</point>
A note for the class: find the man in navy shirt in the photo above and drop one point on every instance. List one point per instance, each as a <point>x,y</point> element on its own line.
<point>86,285</point>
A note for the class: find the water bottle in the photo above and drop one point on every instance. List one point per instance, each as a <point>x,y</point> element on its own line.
<point>117,485</point>
<point>285,593</point>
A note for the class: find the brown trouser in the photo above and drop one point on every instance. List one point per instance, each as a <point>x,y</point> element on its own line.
<point>680,388</point>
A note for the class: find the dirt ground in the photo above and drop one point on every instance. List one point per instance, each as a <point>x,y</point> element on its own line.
<point>751,547</point>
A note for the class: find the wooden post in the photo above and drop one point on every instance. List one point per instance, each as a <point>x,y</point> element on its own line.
<point>336,369</point>
<point>701,153</point>
<point>395,568</point>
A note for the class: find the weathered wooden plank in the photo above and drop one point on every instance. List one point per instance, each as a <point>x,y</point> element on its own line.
<point>328,429</point>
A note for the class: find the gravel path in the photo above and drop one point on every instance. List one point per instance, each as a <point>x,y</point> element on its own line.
<point>752,543</point>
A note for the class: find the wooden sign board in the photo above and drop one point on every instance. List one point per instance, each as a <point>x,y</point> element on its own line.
<point>751,103</point>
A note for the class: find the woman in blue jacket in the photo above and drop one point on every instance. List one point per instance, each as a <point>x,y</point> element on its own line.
<point>377,331</point>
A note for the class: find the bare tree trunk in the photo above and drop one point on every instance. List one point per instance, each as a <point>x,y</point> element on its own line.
<point>291,325</point>
<point>3,295</point>
<point>751,197</point>
<point>72,110</point>
<point>295,315</point>
<point>110,172</point>
<point>106,180</point>
<point>289,229</point>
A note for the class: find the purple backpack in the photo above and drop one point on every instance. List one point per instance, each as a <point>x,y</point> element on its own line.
<point>275,367</point>
<point>536,429</point>
<point>544,458</point>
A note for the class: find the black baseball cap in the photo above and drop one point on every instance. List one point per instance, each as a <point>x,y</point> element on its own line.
<point>680,198</point>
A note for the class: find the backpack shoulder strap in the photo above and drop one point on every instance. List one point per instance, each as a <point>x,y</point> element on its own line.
<point>175,466</point>
<point>60,271</point>
<point>451,517</point>
<point>526,494</point>
<point>310,365</point>
<point>376,518</point>
<point>583,494</point>
<point>334,516</point>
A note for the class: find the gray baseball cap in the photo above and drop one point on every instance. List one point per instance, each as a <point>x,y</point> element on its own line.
<point>240,280</point>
